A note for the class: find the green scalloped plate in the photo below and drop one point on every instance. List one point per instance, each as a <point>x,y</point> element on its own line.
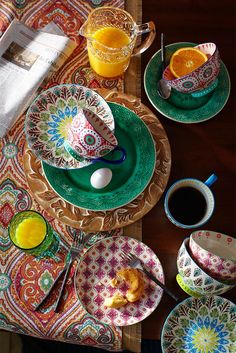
<point>215,104</point>
<point>129,178</point>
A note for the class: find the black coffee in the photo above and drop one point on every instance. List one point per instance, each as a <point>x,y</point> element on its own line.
<point>187,205</point>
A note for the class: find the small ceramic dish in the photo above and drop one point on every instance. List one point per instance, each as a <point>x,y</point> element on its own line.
<point>49,117</point>
<point>99,266</point>
<point>200,78</point>
<point>194,277</point>
<point>215,253</point>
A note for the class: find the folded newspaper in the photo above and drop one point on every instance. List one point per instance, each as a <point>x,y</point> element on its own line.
<point>27,58</point>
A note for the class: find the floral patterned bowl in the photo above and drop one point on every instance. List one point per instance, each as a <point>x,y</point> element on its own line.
<point>49,117</point>
<point>194,277</point>
<point>215,253</point>
<point>200,78</point>
<point>203,325</point>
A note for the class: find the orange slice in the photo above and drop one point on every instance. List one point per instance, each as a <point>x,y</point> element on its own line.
<point>186,60</point>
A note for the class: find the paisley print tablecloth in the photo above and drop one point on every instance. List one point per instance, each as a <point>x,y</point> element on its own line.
<point>73,325</point>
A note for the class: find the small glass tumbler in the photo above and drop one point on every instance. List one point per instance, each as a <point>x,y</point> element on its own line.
<point>30,232</point>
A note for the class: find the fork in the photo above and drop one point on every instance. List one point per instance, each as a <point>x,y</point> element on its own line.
<point>133,261</point>
<point>76,247</point>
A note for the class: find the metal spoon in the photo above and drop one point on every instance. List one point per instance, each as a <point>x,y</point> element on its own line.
<point>163,88</point>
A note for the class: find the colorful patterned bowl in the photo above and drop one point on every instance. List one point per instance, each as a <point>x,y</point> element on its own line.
<point>200,325</point>
<point>215,253</point>
<point>200,78</point>
<point>49,117</point>
<point>194,277</point>
<point>192,100</point>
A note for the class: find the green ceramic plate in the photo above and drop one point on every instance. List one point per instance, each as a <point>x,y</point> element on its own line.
<point>215,104</point>
<point>129,178</point>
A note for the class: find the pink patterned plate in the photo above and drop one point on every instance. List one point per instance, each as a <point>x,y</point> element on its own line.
<point>100,264</point>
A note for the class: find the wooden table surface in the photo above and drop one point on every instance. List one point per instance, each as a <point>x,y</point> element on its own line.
<point>197,149</point>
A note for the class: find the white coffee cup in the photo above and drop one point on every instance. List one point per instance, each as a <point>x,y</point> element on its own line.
<point>190,203</point>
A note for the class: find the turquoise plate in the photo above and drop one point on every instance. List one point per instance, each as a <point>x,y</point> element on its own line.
<point>215,104</point>
<point>129,178</point>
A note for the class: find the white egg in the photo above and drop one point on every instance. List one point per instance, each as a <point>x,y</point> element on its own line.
<point>101,178</point>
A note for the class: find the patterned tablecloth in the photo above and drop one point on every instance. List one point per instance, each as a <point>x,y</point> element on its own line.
<point>21,277</point>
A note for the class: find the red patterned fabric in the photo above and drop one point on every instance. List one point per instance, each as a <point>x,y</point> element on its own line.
<point>23,279</point>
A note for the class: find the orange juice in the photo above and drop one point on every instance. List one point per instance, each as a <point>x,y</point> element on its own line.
<point>109,52</point>
<point>30,232</point>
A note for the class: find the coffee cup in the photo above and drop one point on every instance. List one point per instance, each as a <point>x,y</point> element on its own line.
<point>189,202</point>
<point>90,138</point>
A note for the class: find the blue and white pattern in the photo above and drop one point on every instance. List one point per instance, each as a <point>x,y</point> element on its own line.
<point>203,325</point>
<point>50,115</point>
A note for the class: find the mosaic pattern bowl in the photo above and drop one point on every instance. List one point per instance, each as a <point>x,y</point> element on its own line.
<point>215,253</point>
<point>194,277</point>
<point>49,117</point>
<point>203,325</point>
<point>200,78</point>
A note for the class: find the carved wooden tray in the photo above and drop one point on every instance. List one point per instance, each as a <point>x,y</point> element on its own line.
<point>91,221</point>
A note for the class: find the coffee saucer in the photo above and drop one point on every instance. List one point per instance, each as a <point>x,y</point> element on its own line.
<point>214,105</point>
<point>49,116</point>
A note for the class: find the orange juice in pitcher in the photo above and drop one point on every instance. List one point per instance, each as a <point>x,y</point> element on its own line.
<point>111,37</point>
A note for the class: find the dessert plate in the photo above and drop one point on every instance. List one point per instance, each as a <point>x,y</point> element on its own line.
<point>129,178</point>
<point>214,105</point>
<point>200,325</point>
<point>100,264</point>
<point>50,114</point>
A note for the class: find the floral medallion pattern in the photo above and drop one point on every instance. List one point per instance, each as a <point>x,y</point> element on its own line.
<point>12,199</point>
<point>50,116</point>
<point>205,325</point>
<point>5,282</point>
<point>10,150</point>
<point>78,330</point>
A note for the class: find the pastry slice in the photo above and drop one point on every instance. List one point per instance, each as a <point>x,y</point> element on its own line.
<point>116,301</point>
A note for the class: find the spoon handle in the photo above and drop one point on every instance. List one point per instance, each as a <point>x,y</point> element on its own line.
<point>163,53</point>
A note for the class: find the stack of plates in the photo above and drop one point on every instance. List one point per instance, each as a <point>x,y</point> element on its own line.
<point>46,128</point>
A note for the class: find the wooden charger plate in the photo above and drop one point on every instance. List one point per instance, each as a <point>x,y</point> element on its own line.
<point>93,221</point>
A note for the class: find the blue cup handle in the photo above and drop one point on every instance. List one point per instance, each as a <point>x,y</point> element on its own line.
<point>212,178</point>
<point>118,161</point>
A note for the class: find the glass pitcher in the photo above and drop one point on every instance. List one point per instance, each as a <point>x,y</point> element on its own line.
<point>111,35</point>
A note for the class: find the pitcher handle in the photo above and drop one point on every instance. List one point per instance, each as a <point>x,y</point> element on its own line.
<point>150,28</point>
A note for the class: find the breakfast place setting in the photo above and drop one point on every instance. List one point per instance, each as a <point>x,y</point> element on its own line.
<point>116,180</point>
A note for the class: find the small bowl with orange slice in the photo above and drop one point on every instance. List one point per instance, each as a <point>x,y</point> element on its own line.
<point>193,69</point>
<point>192,75</point>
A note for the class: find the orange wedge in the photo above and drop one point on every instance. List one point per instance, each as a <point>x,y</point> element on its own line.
<point>186,60</point>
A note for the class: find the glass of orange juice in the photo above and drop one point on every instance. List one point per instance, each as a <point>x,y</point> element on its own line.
<point>111,35</point>
<point>29,231</point>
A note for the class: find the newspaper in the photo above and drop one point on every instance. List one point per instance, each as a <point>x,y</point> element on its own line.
<point>27,58</point>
